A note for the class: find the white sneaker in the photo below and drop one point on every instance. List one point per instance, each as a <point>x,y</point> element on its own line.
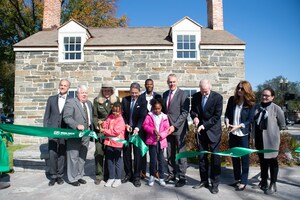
<point>151,181</point>
<point>109,182</point>
<point>116,183</point>
<point>162,182</point>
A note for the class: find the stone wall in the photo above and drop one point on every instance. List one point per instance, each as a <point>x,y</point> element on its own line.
<point>38,74</point>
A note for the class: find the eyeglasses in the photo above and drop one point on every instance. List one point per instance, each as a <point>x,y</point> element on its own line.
<point>241,88</point>
<point>266,95</point>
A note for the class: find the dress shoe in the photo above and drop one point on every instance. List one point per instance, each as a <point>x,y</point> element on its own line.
<point>126,179</point>
<point>241,187</point>
<point>59,181</point>
<point>81,181</point>
<point>137,183</point>
<point>201,185</point>
<point>97,181</point>
<point>272,189</point>
<point>76,183</point>
<point>51,182</point>
<point>214,190</point>
<point>180,183</point>
<point>169,178</point>
<point>262,185</point>
<point>235,184</point>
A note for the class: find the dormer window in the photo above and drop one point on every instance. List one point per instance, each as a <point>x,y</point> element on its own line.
<point>72,48</point>
<point>186,36</point>
<point>186,46</point>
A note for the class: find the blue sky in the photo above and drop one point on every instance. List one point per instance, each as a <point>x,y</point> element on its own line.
<point>270,28</point>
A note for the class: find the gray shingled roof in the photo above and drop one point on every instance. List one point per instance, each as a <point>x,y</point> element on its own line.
<point>141,36</point>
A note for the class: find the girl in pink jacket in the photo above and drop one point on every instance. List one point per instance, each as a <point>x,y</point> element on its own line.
<point>114,126</point>
<point>156,126</point>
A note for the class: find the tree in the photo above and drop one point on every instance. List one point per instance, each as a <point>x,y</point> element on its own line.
<point>281,95</point>
<point>21,18</point>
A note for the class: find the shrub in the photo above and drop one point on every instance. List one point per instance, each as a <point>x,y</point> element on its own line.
<point>286,156</point>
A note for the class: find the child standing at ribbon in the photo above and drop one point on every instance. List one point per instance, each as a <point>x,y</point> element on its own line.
<point>114,126</point>
<point>156,126</point>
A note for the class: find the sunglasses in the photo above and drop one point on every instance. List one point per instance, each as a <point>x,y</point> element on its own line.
<point>241,88</point>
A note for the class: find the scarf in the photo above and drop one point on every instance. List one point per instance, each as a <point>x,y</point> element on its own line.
<point>262,116</point>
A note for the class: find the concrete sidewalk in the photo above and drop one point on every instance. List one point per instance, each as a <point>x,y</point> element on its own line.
<point>34,185</point>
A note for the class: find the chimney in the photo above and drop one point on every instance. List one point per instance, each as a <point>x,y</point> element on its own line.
<point>51,17</point>
<point>215,14</point>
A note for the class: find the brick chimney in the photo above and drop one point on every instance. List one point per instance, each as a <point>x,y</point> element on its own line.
<point>51,17</point>
<point>215,14</point>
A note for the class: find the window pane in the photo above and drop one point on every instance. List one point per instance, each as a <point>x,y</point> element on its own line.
<point>66,56</point>
<point>192,46</point>
<point>72,48</point>
<point>179,54</point>
<point>78,47</point>
<point>66,40</point>
<point>186,46</point>
<point>72,56</point>
<point>78,39</point>
<point>186,39</point>
<point>179,38</point>
<point>192,38</point>
<point>179,45</point>
<point>192,54</point>
<point>78,56</point>
<point>72,39</point>
<point>66,47</point>
<point>186,54</point>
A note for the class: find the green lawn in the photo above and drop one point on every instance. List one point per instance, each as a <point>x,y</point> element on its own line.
<point>11,149</point>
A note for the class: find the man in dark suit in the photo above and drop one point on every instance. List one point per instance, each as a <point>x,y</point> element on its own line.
<point>56,146</point>
<point>148,95</point>
<point>134,113</point>
<point>177,108</point>
<point>206,113</point>
<point>78,115</point>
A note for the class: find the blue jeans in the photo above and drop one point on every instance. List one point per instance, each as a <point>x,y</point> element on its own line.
<point>157,155</point>
<point>240,172</point>
<point>113,156</point>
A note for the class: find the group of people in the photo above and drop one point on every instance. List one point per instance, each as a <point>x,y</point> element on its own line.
<point>161,122</point>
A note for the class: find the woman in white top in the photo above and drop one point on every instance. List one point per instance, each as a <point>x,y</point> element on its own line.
<point>238,118</point>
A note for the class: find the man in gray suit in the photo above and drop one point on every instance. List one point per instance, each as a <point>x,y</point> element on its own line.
<point>177,108</point>
<point>78,115</point>
<point>56,146</point>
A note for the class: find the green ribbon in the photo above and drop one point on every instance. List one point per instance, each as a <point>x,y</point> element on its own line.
<point>139,143</point>
<point>116,139</point>
<point>46,132</point>
<point>4,157</point>
<point>233,152</point>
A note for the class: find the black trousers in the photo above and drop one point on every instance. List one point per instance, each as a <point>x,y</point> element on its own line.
<point>134,173</point>
<point>204,144</point>
<point>57,151</point>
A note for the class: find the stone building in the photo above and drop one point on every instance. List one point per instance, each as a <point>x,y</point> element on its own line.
<point>120,56</point>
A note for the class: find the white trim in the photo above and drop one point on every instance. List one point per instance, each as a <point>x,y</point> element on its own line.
<point>129,48</point>
<point>203,46</point>
<point>36,49</point>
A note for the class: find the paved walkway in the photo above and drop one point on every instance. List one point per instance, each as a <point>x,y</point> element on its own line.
<point>34,185</point>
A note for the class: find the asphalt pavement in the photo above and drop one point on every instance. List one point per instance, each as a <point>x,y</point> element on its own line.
<point>34,185</point>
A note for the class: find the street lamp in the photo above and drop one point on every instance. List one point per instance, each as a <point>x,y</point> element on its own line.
<point>283,87</point>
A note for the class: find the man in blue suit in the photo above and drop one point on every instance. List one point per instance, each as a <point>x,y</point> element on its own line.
<point>206,113</point>
<point>56,146</point>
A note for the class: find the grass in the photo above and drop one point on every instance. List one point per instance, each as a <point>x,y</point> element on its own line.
<point>11,148</point>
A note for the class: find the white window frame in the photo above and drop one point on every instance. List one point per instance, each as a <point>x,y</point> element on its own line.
<point>62,51</point>
<point>197,44</point>
<point>74,51</point>
<point>186,42</point>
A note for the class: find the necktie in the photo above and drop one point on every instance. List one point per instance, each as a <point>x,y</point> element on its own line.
<point>170,99</point>
<point>131,111</point>
<point>86,115</point>
<point>62,96</point>
<point>204,99</point>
